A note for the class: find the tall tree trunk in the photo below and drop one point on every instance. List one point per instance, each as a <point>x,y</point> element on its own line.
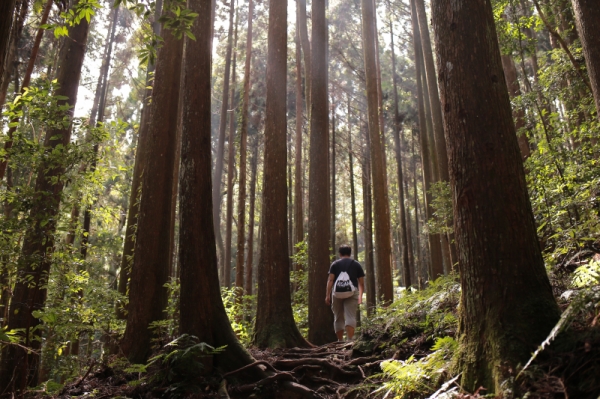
<point>333,183</point>
<point>26,80</point>
<point>97,120</point>
<point>436,118</point>
<point>306,52</point>
<point>19,368</point>
<point>419,263</point>
<point>409,240</point>
<point>290,201</point>
<point>385,291</point>
<point>506,295</point>
<point>587,15</point>
<point>512,82</point>
<point>149,271</point>
<point>298,194</point>
<point>368,227</point>
<point>275,326</point>
<point>320,317</point>
<point>241,237</point>
<point>219,164</point>
<point>436,264</point>
<point>7,9</point>
<point>380,95</point>
<point>140,165</point>
<point>406,265</point>
<point>352,190</point>
<point>197,249</point>
<point>11,57</point>
<point>230,166</point>
<point>250,245</point>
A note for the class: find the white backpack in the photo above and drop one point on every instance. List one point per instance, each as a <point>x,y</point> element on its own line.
<point>343,287</point>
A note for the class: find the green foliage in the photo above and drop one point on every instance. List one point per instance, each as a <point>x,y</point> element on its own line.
<point>82,9</point>
<point>410,378</point>
<point>168,328</point>
<point>587,275</point>
<point>240,312</point>
<point>431,312</point>
<point>299,286</point>
<point>441,202</point>
<point>175,16</point>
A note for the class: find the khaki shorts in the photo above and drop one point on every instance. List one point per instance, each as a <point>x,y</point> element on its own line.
<point>344,311</point>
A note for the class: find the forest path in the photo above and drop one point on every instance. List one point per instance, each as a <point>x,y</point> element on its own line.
<point>329,371</point>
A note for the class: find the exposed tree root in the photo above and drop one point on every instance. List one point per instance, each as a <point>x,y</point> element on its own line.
<point>327,371</point>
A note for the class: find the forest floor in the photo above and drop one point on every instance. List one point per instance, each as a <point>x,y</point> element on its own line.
<point>403,351</point>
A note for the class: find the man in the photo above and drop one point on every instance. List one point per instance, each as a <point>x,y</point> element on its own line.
<point>345,274</point>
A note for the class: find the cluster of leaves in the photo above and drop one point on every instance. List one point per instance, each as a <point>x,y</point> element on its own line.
<point>299,286</point>
<point>418,314</point>
<point>418,377</point>
<point>441,221</point>
<point>83,9</point>
<point>240,312</point>
<point>78,320</point>
<point>175,16</point>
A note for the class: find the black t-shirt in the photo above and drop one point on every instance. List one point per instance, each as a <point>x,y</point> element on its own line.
<point>349,265</point>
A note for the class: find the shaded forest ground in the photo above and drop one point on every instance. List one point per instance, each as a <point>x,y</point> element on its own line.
<point>404,351</point>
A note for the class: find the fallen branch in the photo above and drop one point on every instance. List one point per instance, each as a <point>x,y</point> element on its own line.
<point>86,374</point>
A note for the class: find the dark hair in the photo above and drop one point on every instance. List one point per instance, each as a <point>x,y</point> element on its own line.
<point>345,250</point>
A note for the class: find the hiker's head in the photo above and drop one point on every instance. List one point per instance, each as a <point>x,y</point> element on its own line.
<point>345,250</point>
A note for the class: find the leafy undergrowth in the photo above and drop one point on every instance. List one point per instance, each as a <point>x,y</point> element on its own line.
<point>411,325</point>
<point>417,334</point>
<point>404,351</point>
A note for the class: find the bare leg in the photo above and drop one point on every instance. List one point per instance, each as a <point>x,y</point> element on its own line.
<point>340,335</point>
<point>349,332</point>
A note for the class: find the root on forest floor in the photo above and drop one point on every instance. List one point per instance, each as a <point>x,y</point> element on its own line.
<point>328,371</point>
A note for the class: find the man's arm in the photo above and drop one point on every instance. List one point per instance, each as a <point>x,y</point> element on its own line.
<point>361,289</point>
<point>329,288</point>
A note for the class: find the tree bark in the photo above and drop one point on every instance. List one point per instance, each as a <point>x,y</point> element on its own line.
<point>333,183</point>
<point>230,166</point>
<point>149,271</point>
<point>587,15</point>
<point>19,368</point>
<point>352,190</point>
<point>250,245</point>
<point>7,9</point>
<point>241,237</point>
<point>140,165</point>
<point>368,227</point>
<point>197,249</point>
<point>406,265</point>
<point>219,164</point>
<point>298,194</point>
<point>420,262</point>
<point>436,119</point>
<point>506,295</point>
<point>11,58</point>
<point>385,290</point>
<point>275,326</point>
<point>436,265</point>
<point>306,52</point>
<point>320,317</point>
